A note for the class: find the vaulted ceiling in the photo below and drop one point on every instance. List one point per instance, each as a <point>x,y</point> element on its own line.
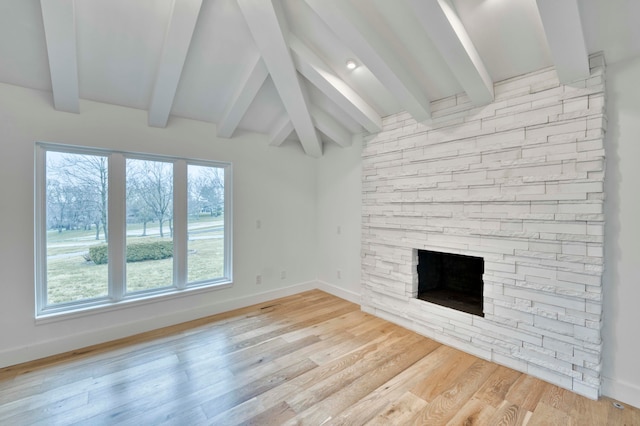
<point>278,67</point>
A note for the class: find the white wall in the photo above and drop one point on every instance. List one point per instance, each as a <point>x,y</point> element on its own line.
<point>621,368</point>
<point>274,185</point>
<point>339,206</point>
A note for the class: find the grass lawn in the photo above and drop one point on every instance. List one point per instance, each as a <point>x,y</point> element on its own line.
<point>70,277</point>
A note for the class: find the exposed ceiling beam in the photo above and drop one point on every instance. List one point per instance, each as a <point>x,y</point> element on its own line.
<point>563,28</point>
<point>320,75</point>
<point>280,131</point>
<point>60,33</point>
<point>326,124</point>
<point>449,36</point>
<point>370,47</point>
<point>174,52</point>
<point>268,27</point>
<point>331,128</point>
<point>244,95</point>
<point>184,16</point>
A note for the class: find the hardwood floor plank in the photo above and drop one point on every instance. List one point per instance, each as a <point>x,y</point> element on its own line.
<point>559,398</point>
<point>399,411</point>
<point>444,406</point>
<point>366,408</point>
<point>266,356</point>
<point>437,382</point>
<point>297,385</point>
<point>495,389</point>
<point>48,409</point>
<point>475,412</point>
<point>309,358</point>
<point>526,392</point>
<point>222,403</point>
<point>509,414</point>
<point>411,350</point>
<point>546,415</point>
<point>346,370</point>
<point>346,322</point>
<point>584,410</point>
<point>376,336</point>
<point>193,416</point>
<point>276,415</point>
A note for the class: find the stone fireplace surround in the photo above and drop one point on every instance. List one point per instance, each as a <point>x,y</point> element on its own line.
<point>518,182</point>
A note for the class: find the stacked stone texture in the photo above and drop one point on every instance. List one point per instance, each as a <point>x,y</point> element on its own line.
<point>518,182</point>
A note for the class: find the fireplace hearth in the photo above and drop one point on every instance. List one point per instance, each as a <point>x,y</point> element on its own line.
<point>451,280</point>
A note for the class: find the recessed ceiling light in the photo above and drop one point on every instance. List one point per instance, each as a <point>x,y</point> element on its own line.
<point>351,64</point>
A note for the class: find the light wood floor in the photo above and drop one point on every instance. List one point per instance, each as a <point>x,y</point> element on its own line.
<point>306,359</point>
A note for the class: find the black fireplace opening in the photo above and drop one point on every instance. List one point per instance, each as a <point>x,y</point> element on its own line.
<point>451,280</point>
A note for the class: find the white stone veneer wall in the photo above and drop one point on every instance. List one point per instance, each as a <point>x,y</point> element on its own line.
<point>518,182</point>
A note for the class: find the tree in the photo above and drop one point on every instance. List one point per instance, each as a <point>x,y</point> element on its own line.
<point>60,199</point>
<point>152,183</point>
<point>208,189</point>
<point>137,210</point>
<point>78,185</point>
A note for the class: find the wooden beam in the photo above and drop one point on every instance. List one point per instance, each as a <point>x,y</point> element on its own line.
<point>445,29</point>
<point>60,34</point>
<point>184,16</point>
<point>331,128</point>
<point>371,48</point>
<point>242,98</point>
<point>563,28</point>
<point>281,131</point>
<point>333,87</point>
<point>268,27</point>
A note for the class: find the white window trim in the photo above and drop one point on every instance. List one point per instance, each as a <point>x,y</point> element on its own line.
<point>117,299</point>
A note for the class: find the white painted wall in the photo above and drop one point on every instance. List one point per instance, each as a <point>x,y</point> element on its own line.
<point>339,206</point>
<point>621,367</point>
<point>274,185</point>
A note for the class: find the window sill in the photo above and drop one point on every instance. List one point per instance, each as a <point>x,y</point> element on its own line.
<point>46,318</point>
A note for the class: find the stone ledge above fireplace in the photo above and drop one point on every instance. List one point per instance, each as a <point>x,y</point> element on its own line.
<point>519,183</point>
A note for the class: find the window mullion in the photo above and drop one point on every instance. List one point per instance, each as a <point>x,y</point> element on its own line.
<point>117,226</point>
<point>228,223</point>
<point>41,230</point>
<point>180,233</point>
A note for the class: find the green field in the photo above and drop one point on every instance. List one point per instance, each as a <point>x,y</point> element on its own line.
<point>70,277</point>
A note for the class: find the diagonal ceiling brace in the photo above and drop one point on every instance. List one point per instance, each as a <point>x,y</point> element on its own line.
<point>184,16</point>
<point>445,29</point>
<point>244,95</point>
<point>268,27</point>
<point>375,53</point>
<point>60,33</point>
<point>563,28</point>
<point>320,75</point>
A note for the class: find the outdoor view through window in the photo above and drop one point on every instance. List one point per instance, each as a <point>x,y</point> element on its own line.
<point>77,231</point>
<point>206,207</point>
<point>77,195</point>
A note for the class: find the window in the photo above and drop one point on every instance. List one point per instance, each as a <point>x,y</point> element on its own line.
<point>114,227</point>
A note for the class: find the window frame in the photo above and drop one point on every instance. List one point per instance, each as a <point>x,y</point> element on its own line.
<point>116,212</point>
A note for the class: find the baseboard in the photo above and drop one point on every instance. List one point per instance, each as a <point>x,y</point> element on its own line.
<point>621,391</point>
<point>66,344</point>
<point>340,292</point>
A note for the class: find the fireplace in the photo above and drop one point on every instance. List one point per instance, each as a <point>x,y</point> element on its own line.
<point>451,280</point>
<point>518,182</point>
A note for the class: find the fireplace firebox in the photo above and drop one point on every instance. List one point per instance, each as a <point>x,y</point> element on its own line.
<point>451,280</point>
